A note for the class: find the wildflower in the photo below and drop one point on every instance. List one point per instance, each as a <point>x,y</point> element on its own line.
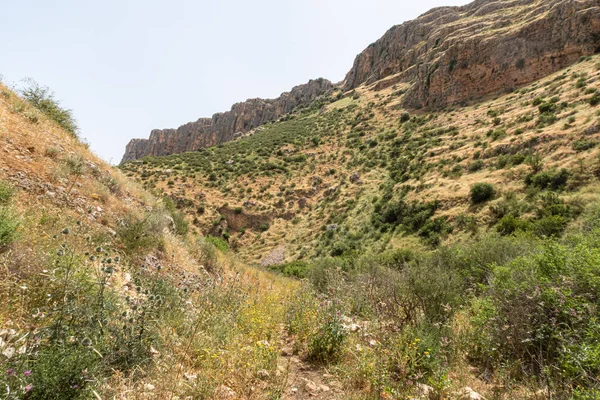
<point>28,388</point>
<point>10,371</point>
<point>27,373</point>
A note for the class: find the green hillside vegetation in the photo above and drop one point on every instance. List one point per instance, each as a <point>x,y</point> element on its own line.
<point>424,255</point>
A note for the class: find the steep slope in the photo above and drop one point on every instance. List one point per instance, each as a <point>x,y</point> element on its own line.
<point>226,126</point>
<point>347,177</point>
<point>452,253</point>
<point>103,293</point>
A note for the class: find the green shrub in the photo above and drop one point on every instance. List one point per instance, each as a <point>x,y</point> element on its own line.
<point>510,224</point>
<point>9,225</point>
<point>482,192</point>
<point>43,99</point>
<point>552,225</point>
<point>546,119</point>
<point>295,269</point>
<point>583,144</point>
<point>547,108</point>
<point>475,166</point>
<point>206,253</point>
<point>140,235</point>
<point>595,99</point>
<point>326,344</point>
<point>540,315</point>
<point>219,243</point>
<point>181,225</point>
<point>6,193</point>
<point>552,179</point>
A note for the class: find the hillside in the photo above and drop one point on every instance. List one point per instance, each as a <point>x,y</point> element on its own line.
<point>345,177</point>
<point>427,229</point>
<point>104,293</point>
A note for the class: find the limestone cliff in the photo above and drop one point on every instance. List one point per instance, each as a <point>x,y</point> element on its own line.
<point>223,127</point>
<point>455,54</point>
<point>449,55</point>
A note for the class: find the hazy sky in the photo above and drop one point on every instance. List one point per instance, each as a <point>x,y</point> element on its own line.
<point>128,66</point>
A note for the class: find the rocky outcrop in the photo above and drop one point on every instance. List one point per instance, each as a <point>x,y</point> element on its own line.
<point>454,54</point>
<point>223,127</point>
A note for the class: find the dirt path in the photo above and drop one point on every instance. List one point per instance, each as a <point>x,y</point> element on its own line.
<point>304,380</point>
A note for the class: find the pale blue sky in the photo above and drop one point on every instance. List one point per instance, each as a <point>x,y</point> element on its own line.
<point>128,66</point>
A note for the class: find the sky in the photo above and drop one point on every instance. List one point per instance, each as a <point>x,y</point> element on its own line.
<point>126,67</point>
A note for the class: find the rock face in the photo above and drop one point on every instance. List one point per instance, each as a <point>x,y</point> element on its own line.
<point>223,127</point>
<point>449,55</point>
<point>454,54</point>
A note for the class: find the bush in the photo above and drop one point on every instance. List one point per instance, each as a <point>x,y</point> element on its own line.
<point>475,166</point>
<point>553,225</point>
<point>9,225</point>
<point>206,254</point>
<point>43,99</point>
<point>219,243</point>
<point>6,193</point>
<point>482,192</point>
<point>553,180</point>
<point>295,269</point>
<point>583,144</point>
<point>325,345</point>
<point>140,235</point>
<point>510,224</point>
<point>540,315</point>
<point>181,225</point>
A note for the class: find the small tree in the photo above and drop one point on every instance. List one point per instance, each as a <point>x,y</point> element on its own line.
<point>482,192</point>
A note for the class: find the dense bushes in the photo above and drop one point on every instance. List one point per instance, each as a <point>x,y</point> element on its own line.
<point>539,314</point>
<point>522,308</point>
<point>482,192</point>
<point>550,179</point>
<point>296,269</point>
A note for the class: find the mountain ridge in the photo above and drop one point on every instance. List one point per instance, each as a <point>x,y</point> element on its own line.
<point>446,56</point>
<point>222,127</point>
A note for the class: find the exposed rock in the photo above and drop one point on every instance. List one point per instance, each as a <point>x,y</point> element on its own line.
<point>425,391</point>
<point>467,393</point>
<point>149,387</point>
<point>454,54</point>
<point>223,127</point>
<point>225,392</point>
<point>331,191</point>
<point>275,257</point>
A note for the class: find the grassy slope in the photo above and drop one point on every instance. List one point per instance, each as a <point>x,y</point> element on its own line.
<point>434,156</point>
<point>200,325</point>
